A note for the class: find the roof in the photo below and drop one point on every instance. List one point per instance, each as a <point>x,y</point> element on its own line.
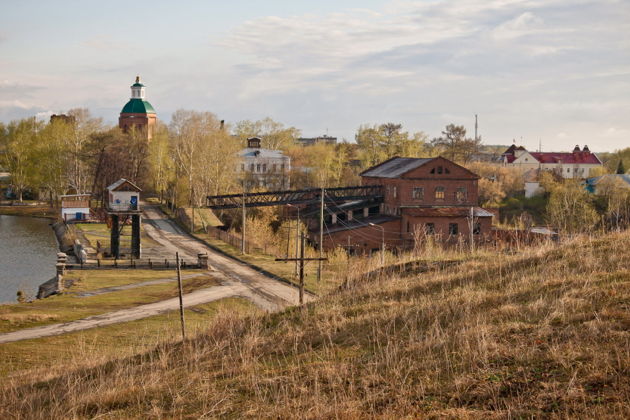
<point>265,153</point>
<point>576,157</point>
<point>445,211</point>
<point>137,106</point>
<point>117,186</point>
<point>75,195</point>
<point>358,224</point>
<point>394,167</point>
<point>623,177</point>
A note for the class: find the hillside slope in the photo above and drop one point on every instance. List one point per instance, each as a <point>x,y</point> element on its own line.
<point>546,334</point>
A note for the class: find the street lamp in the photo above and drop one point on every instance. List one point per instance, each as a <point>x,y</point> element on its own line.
<point>382,242</point>
<point>297,236</point>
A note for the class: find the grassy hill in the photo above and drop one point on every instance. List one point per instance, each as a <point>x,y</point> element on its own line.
<point>542,334</point>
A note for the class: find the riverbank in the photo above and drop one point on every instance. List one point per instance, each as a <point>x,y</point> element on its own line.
<point>29,209</point>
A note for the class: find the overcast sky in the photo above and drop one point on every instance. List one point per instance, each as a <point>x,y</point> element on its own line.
<point>548,70</point>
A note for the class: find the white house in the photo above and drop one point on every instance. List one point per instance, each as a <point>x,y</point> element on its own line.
<point>577,164</point>
<point>75,207</point>
<point>263,168</point>
<point>123,195</point>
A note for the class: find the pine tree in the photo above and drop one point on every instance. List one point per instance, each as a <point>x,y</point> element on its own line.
<point>620,168</point>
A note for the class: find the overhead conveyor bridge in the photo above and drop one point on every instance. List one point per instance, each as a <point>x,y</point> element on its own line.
<point>295,197</point>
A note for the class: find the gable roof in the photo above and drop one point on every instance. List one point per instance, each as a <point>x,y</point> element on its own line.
<point>575,157</point>
<point>117,186</point>
<point>596,180</point>
<point>395,167</point>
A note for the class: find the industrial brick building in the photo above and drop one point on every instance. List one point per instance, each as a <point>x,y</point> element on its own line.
<point>420,197</point>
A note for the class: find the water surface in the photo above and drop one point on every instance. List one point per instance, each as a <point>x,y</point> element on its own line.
<point>28,251</point>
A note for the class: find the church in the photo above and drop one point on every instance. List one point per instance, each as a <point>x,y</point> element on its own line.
<point>138,114</point>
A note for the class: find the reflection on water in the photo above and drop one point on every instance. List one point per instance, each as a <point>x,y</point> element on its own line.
<point>28,251</point>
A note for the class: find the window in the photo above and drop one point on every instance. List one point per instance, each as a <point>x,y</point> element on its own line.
<point>439,170</point>
<point>264,167</point>
<point>394,193</point>
<point>460,194</point>
<point>417,193</point>
<point>429,228</point>
<point>477,228</point>
<point>453,229</point>
<point>439,193</point>
<point>275,167</point>
<point>251,167</point>
<point>282,167</point>
<point>258,167</point>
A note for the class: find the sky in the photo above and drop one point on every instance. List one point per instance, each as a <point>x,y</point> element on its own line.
<point>548,72</point>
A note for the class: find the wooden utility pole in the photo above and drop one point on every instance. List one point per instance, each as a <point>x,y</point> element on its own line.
<point>181,297</point>
<point>321,236</point>
<point>471,228</point>
<point>301,260</point>
<point>243,223</point>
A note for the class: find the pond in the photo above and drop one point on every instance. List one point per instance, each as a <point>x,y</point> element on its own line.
<point>28,251</point>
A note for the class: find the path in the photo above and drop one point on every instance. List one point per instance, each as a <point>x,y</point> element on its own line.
<point>198,297</point>
<point>172,237</point>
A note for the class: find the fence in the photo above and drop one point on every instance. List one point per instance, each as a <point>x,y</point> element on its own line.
<point>147,264</point>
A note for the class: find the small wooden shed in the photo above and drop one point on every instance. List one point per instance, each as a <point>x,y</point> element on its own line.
<point>75,207</point>
<point>123,196</point>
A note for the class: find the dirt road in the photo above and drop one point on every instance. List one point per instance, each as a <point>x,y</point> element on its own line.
<point>237,280</point>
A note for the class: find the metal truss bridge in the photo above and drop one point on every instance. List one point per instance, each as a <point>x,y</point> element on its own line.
<point>304,197</point>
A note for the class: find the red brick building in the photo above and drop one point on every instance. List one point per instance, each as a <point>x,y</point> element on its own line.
<point>421,197</point>
<point>138,114</point>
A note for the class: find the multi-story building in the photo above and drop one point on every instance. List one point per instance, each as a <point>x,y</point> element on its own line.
<point>263,168</point>
<point>577,164</point>
<point>420,197</point>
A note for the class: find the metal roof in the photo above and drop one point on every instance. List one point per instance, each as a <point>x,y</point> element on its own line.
<point>263,153</point>
<point>137,106</point>
<point>395,167</point>
<point>120,182</point>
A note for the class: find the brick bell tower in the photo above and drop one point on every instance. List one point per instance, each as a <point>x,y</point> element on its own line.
<point>138,114</point>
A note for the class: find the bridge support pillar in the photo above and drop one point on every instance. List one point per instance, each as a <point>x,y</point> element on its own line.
<point>115,237</point>
<point>135,235</point>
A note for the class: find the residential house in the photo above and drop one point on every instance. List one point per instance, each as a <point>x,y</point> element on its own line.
<point>263,168</point>
<point>576,164</point>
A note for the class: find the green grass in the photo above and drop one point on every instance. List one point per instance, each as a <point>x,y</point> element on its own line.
<point>118,340</point>
<point>94,232</point>
<point>68,307</point>
<point>31,211</point>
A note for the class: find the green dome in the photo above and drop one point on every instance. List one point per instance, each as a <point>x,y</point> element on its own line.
<point>137,106</point>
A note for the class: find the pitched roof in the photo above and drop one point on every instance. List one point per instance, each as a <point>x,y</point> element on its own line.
<point>122,181</point>
<point>395,167</point>
<point>575,157</point>
<point>265,153</point>
<point>596,180</point>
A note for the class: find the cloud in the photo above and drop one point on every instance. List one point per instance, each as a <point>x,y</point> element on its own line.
<point>12,88</point>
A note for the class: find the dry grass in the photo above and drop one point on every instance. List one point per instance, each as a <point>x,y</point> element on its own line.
<point>543,334</point>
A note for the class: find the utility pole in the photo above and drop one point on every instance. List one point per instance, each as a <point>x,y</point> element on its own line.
<point>382,242</point>
<point>301,260</point>
<point>297,236</point>
<point>476,127</point>
<point>321,236</point>
<point>471,228</point>
<point>181,297</point>
<point>243,223</point>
